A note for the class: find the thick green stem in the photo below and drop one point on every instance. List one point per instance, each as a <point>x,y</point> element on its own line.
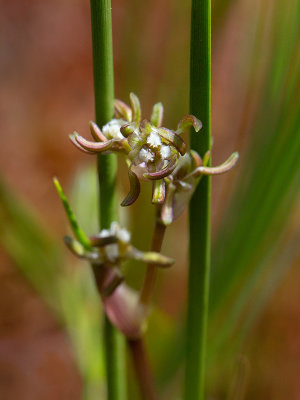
<point>107,167</point>
<point>198,287</point>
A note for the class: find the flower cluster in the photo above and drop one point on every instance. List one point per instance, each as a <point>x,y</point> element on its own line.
<point>152,151</point>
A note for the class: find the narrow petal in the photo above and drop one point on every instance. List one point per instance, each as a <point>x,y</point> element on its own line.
<point>97,147</point>
<point>122,110</point>
<point>163,172</point>
<point>158,192</point>
<point>97,133</point>
<point>188,121</point>
<point>77,145</point>
<point>135,189</point>
<point>154,258</point>
<point>173,139</point>
<point>78,232</point>
<point>136,107</point>
<point>157,115</point>
<point>221,169</point>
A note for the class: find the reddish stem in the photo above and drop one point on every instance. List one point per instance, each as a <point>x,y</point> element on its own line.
<point>149,281</point>
<point>142,369</point>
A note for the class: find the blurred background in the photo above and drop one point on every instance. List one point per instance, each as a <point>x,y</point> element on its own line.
<point>50,317</point>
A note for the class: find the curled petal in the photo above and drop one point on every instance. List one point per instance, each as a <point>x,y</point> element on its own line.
<point>127,129</point>
<point>97,147</point>
<point>157,115</point>
<point>77,145</point>
<point>163,172</point>
<point>188,121</point>
<point>122,110</point>
<point>136,107</point>
<point>221,169</point>
<point>135,189</point>
<point>173,139</point>
<point>97,133</point>
<point>154,258</point>
<point>159,192</point>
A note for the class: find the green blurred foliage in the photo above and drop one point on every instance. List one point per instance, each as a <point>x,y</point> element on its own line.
<point>256,237</point>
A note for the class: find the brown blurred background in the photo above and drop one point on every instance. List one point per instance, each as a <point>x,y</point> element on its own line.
<point>46,93</point>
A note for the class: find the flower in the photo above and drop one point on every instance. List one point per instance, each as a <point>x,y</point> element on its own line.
<point>151,151</point>
<point>106,251</point>
<point>178,188</point>
<point>110,247</point>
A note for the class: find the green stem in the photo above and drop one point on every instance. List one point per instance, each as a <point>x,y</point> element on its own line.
<point>107,168</point>
<point>198,287</point>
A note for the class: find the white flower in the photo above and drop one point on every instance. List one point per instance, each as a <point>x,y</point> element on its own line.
<point>165,152</point>
<point>121,233</point>
<point>112,129</point>
<point>153,140</point>
<point>112,252</point>
<point>146,155</point>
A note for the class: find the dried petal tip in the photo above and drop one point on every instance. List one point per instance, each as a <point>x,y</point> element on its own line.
<point>188,121</point>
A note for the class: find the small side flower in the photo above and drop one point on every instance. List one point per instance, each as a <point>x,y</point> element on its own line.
<point>106,251</point>
<point>181,184</point>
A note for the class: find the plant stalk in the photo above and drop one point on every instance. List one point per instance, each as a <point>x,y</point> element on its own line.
<point>199,250</point>
<point>142,369</point>
<point>151,272</point>
<point>107,167</point>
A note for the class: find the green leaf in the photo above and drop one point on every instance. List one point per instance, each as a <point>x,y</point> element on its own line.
<point>78,232</point>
